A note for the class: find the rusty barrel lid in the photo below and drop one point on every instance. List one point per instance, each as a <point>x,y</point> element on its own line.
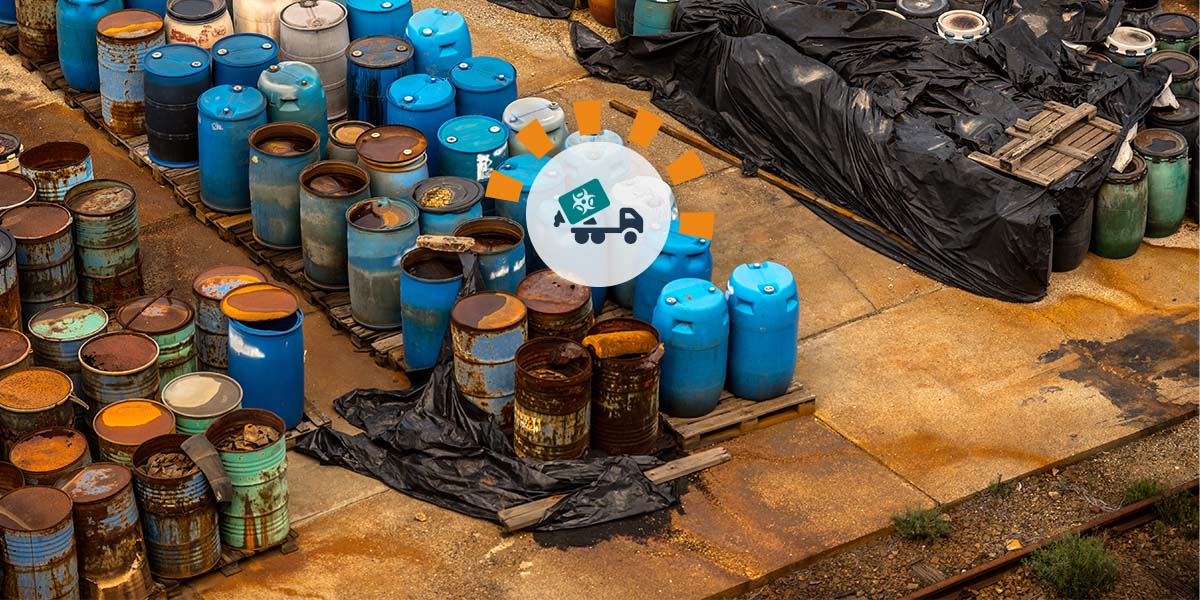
<point>68,321</point>
<point>202,395</point>
<point>52,156</point>
<point>96,482</point>
<point>259,302</point>
<point>389,144</point>
<point>546,292</point>
<point>218,281</point>
<point>1160,143</point>
<point>129,24</point>
<point>488,311</point>
<point>118,352</point>
<point>100,197</point>
<point>131,422</point>
<point>34,389</point>
<point>38,507</point>
<point>14,347</point>
<point>36,220</point>
<point>346,133</point>
<point>15,189</point>
<point>382,214</point>
<point>48,450</point>
<point>11,477</point>
<point>155,315</point>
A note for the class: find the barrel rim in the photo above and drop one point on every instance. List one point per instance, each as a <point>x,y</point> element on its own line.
<point>249,327</point>
<point>341,18</point>
<point>373,158</point>
<point>32,159</point>
<point>96,430</point>
<point>66,398</point>
<point>1156,26</point>
<point>537,344</point>
<point>1145,135</point>
<point>167,442</point>
<point>84,186</point>
<point>66,479</point>
<point>183,412</point>
<point>458,324</point>
<point>85,451</point>
<point>281,127</point>
<point>12,470</point>
<point>9,245</point>
<point>257,416</point>
<point>270,54</point>
<point>150,300</point>
<point>261,315</point>
<point>219,7</point>
<point>1123,177</point>
<point>475,87</point>
<point>41,489</point>
<point>417,251</point>
<point>333,138</point>
<point>131,40</point>
<point>510,225</point>
<point>1187,59</point>
<point>334,167</point>
<point>457,205</point>
<point>29,180</point>
<point>170,46</point>
<point>102,329</point>
<point>414,215</point>
<point>631,324</point>
<point>28,348</point>
<point>31,205</point>
<point>87,367</point>
<point>211,273</point>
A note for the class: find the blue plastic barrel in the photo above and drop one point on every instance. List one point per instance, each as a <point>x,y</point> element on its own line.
<point>394,155</point>
<point>500,250</point>
<point>441,40</point>
<point>447,202</point>
<point>158,6</point>
<point>378,17</point>
<point>375,63</point>
<point>429,283</point>
<point>652,17</point>
<point>267,359</point>
<point>692,318</point>
<point>8,12</point>
<point>471,147</point>
<point>423,103</point>
<point>523,168</point>
<point>379,232</point>
<point>240,58</point>
<point>764,320</point>
<point>176,76</point>
<point>279,152</point>
<point>484,85</point>
<point>77,40</point>
<point>228,114</point>
<point>38,553</point>
<point>682,256</point>
<point>327,190</point>
<point>294,94</point>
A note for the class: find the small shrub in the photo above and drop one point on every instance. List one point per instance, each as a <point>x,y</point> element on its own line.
<point>921,524</point>
<point>1179,511</point>
<point>1075,567</point>
<point>999,487</point>
<point>1140,489</point>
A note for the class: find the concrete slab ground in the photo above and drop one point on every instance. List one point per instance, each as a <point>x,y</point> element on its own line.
<point>924,393</point>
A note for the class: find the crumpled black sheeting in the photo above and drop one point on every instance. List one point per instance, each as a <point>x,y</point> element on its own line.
<point>549,9</point>
<point>879,115</point>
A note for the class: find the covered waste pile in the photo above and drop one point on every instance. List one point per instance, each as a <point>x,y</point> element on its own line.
<point>879,114</point>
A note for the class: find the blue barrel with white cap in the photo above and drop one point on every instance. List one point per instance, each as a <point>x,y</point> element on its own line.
<point>378,17</point>
<point>176,75</point>
<point>522,112</point>
<point>523,168</point>
<point>441,39</point>
<point>375,63</point>
<point>692,319</point>
<point>471,147</point>
<point>682,256</point>
<point>484,85</point>
<point>429,283</point>
<point>447,202</point>
<point>228,115</point>
<point>422,102</point>
<point>294,94</point>
<point>764,321</point>
<point>239,59</point>
<point>77,40</point>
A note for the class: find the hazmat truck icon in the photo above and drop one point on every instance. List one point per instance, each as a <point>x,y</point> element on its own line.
<point>580,206</point>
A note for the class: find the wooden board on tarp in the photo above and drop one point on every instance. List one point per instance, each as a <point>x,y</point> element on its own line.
<point>1055,142</point>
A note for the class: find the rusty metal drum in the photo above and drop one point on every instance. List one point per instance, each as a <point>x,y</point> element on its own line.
<point>486,329</point>
<point>45,255</point>
<point>59,331</point>
<point>37,32</point>
<point>122,40</point>
<point>552,400</point>
<point>557,306</point>
<point>179,513</point>
<point>38,553</point>
<point>47,455</point>
<point>212,326</point>
<point>108,533</point>
<point>56,167</point>
<point>11,477</point>
<point>107,247</point>
<point>343,139</point>
<point>171,322</point>
<point>625,392</point>
<point>123,426</point>
<point>117,366</point>
<point>256,516</point>
<point>198,399</point>
<point>33,399</point>
<point>10,293</point>
<point>16,352</point>
<point>16,189</point>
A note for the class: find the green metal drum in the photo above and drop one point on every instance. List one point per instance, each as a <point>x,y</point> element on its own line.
<point>1120,217</point>
<point>198,399</point>
<point>1165,153</point>
<point>256,516</point>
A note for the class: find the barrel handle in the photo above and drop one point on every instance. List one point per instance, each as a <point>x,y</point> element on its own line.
<point>79,401</point>
<point>205,455</point>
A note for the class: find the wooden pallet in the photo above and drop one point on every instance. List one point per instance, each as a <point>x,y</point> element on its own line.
<point>1057,141</point>
<point>736,416</point>
<point>229,565</point>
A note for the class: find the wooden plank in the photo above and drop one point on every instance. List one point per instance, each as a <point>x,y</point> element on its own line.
<point>745,413</point>
<point>1012,158</point>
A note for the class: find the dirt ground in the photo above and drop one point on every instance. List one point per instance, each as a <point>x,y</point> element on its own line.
<point>1155,562</point>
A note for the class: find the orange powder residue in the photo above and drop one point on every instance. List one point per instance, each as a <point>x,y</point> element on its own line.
<point>130,414</point>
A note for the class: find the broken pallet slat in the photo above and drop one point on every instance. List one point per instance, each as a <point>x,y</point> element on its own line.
<point>1052,144</point>
<point>741,414</point>
<point>1012,159</point>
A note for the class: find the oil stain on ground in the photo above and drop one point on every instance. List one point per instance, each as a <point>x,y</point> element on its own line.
<point>1133,372</point>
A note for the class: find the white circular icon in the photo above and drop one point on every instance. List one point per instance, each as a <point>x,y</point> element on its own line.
<point>598,214</point>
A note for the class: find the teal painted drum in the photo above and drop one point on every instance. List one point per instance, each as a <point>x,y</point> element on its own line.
<point>171,323</point>
<point>57,333</point>
<point>198,399</point>
<point>1182,68</point>
<point>39,551</point>
<point>471,147</point>
<point>1120,216</point>
<point>447,202</point>
<point>1173,31</point>
<point>380,231</point>
<point>107,244</point>
<point>1166,156</point>
<point>653,17</point>
<point>294,94</point>
<point>256,517</point>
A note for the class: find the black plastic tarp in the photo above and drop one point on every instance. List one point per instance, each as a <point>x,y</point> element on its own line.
<point>550,9</point>
<point>878,115</point>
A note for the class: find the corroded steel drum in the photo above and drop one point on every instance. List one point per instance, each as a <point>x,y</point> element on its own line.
<point>327,190</point>
<point>394,156</point>
<point>56,167</point>
<point>33,399</point>
<point>16,352</point>
<point>10,295</point>
<point>380,231</point>
<point>123,426</point>
<point>199,22</point>
<point>108,533</point>
<point>171,322</point>
<point>122,40</point>
<point>212,326</point>
<point>16,188</point>
<point>625,393</point>
<point>77,40</point>
<point>36,31</point>
<point>45,255</point>
<point>447,202</point>
<point>59,331</point>
<point>552,401</point>
<point>499,249</point>
<point>39,552</point>
<point>11,478</point>
<point>557,306</point>
<point>486,329</point>
<point>198,399</point>
<point>315,32</point>
<point>279,152</point>
<point>429,283</point>
<point>179,514</point>
<point>107,241</point>
<point>47,455</point>
<point>256,516</point>
<point>117,366</point>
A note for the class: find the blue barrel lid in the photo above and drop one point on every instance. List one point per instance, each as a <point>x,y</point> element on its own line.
<point>691,299</point>
<point>193,11</point>
<point>472,133</point>
<point>379,52</point>
<point>420,93</point>
<point>684,244</point>
<point>245,50</point>
<point>176,60</point>
<point>231,103</point>
<point>483,74</point>
<point>762,279</point>
<point>446,194</point>
<point>377,6</point>
<point>524,168</point>
<point>521,112</point>
<point>432,21</point>
<point>605,135</point>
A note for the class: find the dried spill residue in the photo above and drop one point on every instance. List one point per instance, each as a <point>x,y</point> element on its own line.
<point>1148,374</point>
